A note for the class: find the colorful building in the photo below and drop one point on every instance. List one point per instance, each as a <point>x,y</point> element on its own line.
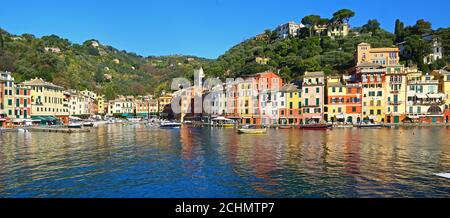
<point>47,101</point>
<point>382,56</point>
<point>395,93</point>
<point>22,104</point>
<point>335,102</point>
<point>293,108</point>
<point>372,78</point>
<point>313,97</point>
<point>353,102</point>
<point>164,100</point>
<point>6,97</point>
<point>424,101</point>
<point>122,106</point>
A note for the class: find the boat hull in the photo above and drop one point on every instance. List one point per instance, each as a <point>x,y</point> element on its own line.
<point>316,126</point>
<point>369,126</point>
<point>252,131</point>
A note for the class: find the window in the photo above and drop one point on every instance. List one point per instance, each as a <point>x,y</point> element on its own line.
<point>306,91</point>
<point>379,112</point>
<point>354,109</point>
<point>317,90</point>
<point>290,104</point>
<point>317,101</point>
<point>380,93</point>
<point>10,102</point>
<point>306,102</point>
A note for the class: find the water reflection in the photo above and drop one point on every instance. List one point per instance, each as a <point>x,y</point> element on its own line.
<point>135,161</point>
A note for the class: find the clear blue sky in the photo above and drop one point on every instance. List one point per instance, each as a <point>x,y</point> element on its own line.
<point>205,28</point>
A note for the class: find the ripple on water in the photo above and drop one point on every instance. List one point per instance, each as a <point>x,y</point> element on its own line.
<point>135,161</point>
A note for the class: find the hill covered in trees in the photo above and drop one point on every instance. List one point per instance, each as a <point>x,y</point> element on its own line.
<point>90,65</point>
<point>309,52</point>
<point>110,71</point>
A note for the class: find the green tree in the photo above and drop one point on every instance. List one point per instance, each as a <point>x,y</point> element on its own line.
<point>417,49</point>
<point>399,31</point>
<point>372,26</point>
<point>310,21</point>
<point>343,15</point>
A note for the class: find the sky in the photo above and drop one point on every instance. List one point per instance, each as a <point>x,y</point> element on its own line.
<point>205,28</point>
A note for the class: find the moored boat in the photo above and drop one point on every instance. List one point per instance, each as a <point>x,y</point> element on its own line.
<point>252,131</point>
<point>316,126</point>
<point>170,125</point>
<point>74,125</point>
<point>88,124</point>
<point>368,125</point>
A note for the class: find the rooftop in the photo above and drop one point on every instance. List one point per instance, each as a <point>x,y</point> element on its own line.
<point>40,82</point>
<point>314,74</point>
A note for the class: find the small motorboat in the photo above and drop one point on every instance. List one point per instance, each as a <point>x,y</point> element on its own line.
<point>88,124</point>
<point>135,119</point>
<point>74,125</point>
<point>368,125</point>
<point>170,125</point>
<point>252,131</point>
<point>316,126</point>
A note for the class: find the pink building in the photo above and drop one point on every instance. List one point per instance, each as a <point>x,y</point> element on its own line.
<point>313,97</point>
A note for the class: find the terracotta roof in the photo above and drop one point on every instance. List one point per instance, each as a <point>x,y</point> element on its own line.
<point>314,74</point>
<point>41,82</point>
<point>335,84</point>
<point>289,88</point>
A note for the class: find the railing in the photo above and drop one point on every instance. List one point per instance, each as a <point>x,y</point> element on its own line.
<point>394,91</point>
<point>395,102</point>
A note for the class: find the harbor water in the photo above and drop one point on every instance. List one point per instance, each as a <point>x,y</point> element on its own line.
<point>138,161</point>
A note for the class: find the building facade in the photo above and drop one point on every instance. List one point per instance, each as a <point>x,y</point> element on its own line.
<point>313,96</point>
<point>47,100</point>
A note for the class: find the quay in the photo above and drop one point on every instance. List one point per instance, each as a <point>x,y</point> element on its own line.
<point>47,129</point>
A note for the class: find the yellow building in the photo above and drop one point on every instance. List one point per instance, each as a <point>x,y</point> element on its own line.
<point>395,89</point>
<point>444,84</point>
<point>335,108</point>
<point>383,56</point>
<point>293,104</point>
<point>245,101</point>
<point>101,104</point>
<point>47,100</point>
<point>165,99</point>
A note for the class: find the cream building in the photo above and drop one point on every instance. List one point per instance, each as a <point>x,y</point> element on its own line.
<point>47,99</point>
<point>395,94</point>
<point>383,56</point>
<point>425,102</point>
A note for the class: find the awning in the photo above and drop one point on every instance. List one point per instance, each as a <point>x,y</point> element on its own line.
<point>373,117</point>
<point>221,119</point>
<point>421,95</point>
<point>340,116</point>
<point>437,95</point>
<point>413,117</point>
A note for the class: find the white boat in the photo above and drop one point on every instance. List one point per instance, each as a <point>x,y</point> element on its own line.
<point>74,125</point>
<point>170,125</point>
<point>368,125</point>
<point>252,131</point>
<point>444,175</point>
<point>134,119</point>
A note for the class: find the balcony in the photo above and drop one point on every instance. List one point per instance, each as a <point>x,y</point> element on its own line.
<point>394,91</point>
<point>395,102</point>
